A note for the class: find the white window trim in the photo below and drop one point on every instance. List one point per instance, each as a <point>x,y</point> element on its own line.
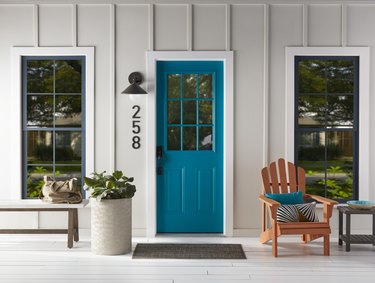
<point>152,58</point>
<point>16,113</point>
<point>364,103</point>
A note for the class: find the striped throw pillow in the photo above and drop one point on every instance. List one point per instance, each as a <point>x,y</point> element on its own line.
<point>304,212</point>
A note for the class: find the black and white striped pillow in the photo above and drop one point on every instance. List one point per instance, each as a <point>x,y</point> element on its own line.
<point>304,212</point>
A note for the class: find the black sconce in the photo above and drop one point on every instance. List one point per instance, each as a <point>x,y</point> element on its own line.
<point>135,79</point>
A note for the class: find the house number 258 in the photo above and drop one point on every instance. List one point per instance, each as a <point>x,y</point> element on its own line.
<point>136,140</point>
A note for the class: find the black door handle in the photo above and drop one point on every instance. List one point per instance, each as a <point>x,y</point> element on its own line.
<point>159,170</point>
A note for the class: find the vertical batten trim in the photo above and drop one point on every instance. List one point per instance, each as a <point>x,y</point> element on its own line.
<point>112,91</point>
<point>36,25</point>
<point>265,82</point>
<point>74,26</point>
<point>227,27</point>
<point>151,27</point>
<point>344,15</point>
<point>305,18</point>
<point>189,27</point>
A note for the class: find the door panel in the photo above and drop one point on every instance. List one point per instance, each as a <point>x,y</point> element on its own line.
<point>190,133</point>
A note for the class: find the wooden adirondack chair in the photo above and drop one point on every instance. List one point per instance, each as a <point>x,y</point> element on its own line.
<point>275,180</point>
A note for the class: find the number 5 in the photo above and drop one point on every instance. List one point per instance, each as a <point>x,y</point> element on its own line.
<point>136,128</point>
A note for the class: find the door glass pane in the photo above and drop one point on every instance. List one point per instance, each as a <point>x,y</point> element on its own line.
<point>68,76</point>
<point>340,76</point>
<point>205,112</point>
<point>340,111</point>
<point>40,76</point>
<point>34,179</point>
<point>68,111</point>
<point>190,138</point>
<point>205,86</point>
<point>311,76</point>
<point>174,138</point>
<point>311,111</point>
<point>190,86</point>
<point>190,112</point>
<point>39,147</point>
<point>205,138</point>
<point>174,112</point>
<point>340,147</point>
<point>68,147</point>
<point>174,86</point>
<point>311,146</point>
<point>39,111</point>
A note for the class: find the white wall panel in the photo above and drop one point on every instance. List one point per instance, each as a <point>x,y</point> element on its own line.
<point>209,26</point>
<point>132,34</point>
<point>248,42</point>
<point>55,25</point>
<point>360,32</point>
<point>171,30</point>
<point>94,30</point>
<point>324,25</point>
<point>16,29</point>
<point>120,41</point>
<point>285,30</point>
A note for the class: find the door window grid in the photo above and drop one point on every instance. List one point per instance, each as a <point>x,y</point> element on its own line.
<point>192,119</point>
<point>55,148</point>
<point>337,130</point>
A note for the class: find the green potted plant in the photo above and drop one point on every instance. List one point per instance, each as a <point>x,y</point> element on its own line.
<point>111,212</point>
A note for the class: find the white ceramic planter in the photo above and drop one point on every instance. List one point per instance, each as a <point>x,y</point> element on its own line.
<point>111,226</point>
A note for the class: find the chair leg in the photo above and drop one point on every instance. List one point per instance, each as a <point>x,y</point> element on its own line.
<point>326,245</point>
<point>274,238</point>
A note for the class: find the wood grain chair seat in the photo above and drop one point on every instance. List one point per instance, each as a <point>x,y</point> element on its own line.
<point>277,180</point>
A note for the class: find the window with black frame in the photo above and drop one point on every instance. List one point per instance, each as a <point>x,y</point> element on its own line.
<point>53,122</point>
<point>326,124</point>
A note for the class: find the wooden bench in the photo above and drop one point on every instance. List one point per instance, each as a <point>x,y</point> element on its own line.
<point>38,205</point>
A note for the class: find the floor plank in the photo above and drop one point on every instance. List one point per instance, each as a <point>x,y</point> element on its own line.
<point>45,258</point>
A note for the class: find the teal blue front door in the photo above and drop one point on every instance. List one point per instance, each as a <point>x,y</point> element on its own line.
<point>190,146</point>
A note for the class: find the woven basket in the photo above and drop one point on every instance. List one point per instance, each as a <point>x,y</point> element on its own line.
<point>111,226</point>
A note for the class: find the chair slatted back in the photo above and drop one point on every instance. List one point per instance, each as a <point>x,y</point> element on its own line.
<point>276,179</point>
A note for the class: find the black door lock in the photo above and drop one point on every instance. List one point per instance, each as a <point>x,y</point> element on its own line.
<point>159,170</point>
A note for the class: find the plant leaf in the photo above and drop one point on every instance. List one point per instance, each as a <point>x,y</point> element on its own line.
<point>117,174</point>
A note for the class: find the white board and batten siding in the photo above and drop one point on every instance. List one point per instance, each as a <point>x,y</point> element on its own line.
<point>123,31</point>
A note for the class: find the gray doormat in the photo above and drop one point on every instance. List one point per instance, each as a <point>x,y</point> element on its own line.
<point>189,251</point>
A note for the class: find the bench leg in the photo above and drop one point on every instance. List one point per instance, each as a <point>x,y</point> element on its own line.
<point>76,232</point>
<point>70,227</point>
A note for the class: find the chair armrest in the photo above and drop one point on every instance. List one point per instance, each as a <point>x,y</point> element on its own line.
<point>322,199</point>
<point>328,205</point>
<point>269,201</point>
<point>272,204</point>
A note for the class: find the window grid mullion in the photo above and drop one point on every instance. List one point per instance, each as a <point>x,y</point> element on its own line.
<point>197,111</point>
<point>325,133</point>
<point>182,112</point>
<point>54,119</point>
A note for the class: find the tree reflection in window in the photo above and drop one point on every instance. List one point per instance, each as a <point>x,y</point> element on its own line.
<point>190,108</point>
<point>53,129</point>
<point>327,124</point>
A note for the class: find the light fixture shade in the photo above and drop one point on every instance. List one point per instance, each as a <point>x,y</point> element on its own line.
<point>134,89</point>
<point>135,79</point>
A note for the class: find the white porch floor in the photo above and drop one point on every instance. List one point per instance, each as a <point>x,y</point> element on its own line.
<point>45,258</point>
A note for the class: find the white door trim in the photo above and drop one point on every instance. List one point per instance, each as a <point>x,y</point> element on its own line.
<point>152,58</point>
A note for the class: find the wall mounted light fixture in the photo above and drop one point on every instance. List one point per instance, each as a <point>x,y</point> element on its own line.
<point>135,79</point>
